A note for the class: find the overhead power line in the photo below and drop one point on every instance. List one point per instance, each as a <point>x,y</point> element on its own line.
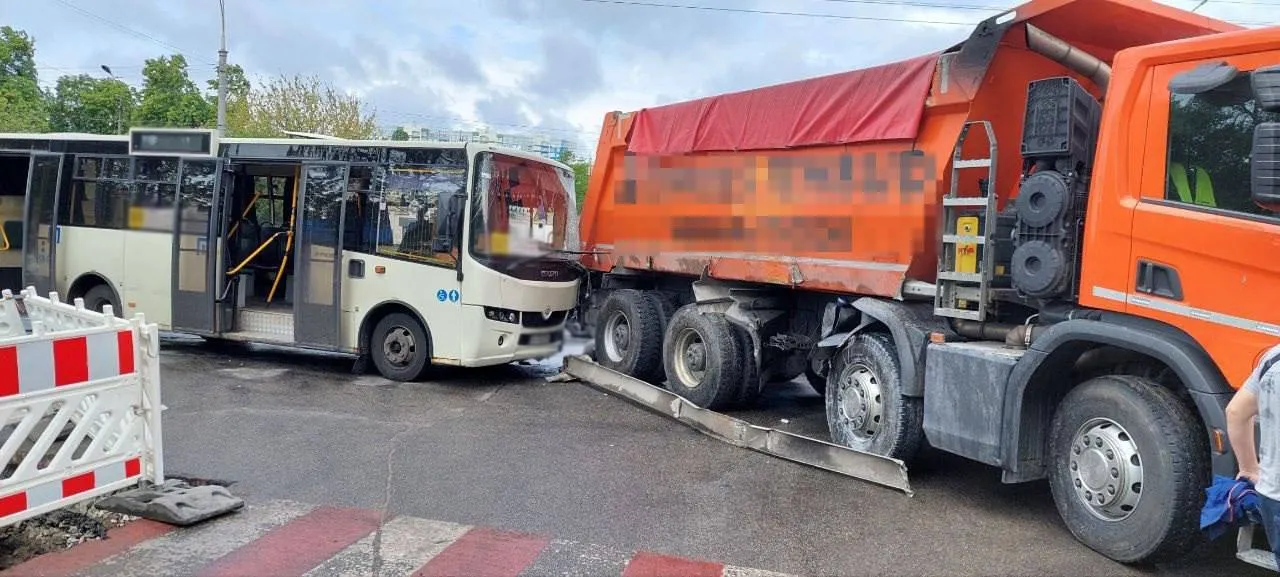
<point>132,31</point>
<point>780,13</point>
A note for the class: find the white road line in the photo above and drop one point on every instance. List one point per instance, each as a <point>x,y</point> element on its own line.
<point>406,544</point>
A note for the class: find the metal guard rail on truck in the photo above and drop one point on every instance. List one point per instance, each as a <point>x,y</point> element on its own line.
<point>79,404</point>
<point>876,469</point>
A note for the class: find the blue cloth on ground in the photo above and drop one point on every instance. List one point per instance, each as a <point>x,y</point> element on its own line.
<point>1229,504</point>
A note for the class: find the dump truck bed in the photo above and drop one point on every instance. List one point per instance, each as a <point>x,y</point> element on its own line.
<point>833,183</point>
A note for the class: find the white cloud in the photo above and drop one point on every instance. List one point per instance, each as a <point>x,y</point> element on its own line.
<point>560,64</point>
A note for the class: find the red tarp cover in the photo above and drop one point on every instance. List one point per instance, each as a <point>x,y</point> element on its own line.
<point>880,103</point>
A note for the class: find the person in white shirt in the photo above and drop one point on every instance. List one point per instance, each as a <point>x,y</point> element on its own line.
<point>1259,397</point>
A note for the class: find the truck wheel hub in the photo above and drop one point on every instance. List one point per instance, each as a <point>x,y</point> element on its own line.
<point>617,336</point>
<point>690,358</point>
<point>862,406</point>
<point>1106,470</point>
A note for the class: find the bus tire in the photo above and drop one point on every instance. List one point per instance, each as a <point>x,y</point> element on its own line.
<point>704,358</point>
<point>866,409</point>
<point>1145,445</point>
<point>98,296</point>
<point>629,335</point>
<point>400,347</point>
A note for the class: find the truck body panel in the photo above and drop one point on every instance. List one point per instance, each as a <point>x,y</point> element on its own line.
<point>830,184</point>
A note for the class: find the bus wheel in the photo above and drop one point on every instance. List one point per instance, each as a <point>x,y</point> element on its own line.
<point>629,335</point>
<point>98,297</point>
<point>704,358</point>
<point>399,347</point>
<point>865,406</point>
<point>1129,466</point>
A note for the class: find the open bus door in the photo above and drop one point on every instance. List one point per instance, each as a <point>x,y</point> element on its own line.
<point>41,217</point>
<point>196,282</point>
<point>318,302</point>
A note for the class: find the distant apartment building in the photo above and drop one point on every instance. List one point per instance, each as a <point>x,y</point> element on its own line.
<point>536,143</point>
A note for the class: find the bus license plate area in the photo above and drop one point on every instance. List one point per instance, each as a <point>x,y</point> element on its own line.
<point>538,339</point>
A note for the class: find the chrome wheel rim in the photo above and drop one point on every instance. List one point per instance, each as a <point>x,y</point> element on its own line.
<point>861,402</point>
<point>1106,469</point>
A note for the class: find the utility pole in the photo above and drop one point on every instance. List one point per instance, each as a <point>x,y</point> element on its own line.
<point>222,71</point>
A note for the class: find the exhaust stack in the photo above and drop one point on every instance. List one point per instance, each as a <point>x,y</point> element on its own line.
<point>1060,51</point>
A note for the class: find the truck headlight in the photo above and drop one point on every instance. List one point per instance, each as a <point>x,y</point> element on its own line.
<point>502,315</point>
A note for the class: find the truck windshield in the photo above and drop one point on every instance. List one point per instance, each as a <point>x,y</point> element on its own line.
<point>521,208</point>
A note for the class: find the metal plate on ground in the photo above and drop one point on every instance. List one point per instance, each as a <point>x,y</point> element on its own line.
<point>884,471</point>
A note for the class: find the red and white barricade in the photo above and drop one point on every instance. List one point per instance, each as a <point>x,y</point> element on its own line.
<point>79,404</point>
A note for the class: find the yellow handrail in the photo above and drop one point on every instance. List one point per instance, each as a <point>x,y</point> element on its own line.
<point>249,258</point>
<point>5,237</point>
<point>288,243</point>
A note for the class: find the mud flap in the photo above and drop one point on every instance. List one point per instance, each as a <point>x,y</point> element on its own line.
<point>175,503</point>
<point>884,471</point>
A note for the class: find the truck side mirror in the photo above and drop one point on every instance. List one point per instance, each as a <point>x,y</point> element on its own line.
<point>1265,82</point>
<point>448,210</point>
<point>1264,166</point>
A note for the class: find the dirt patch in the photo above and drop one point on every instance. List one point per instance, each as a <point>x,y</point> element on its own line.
<point>55,531</point>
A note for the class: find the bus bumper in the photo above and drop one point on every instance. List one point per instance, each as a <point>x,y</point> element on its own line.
<point>503,342</point>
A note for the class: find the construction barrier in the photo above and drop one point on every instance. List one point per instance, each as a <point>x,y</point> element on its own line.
<point>79,404</point>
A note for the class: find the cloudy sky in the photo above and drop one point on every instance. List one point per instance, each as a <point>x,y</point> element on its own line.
<point>556,66</point>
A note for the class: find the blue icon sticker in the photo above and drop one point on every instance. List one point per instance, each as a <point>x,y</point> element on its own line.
<point>454,296</point>
<point>441,295</point>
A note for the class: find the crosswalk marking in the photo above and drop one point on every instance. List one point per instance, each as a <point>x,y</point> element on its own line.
<point>288,538</point>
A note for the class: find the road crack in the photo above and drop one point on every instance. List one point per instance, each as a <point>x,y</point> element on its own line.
<point>386,500</point>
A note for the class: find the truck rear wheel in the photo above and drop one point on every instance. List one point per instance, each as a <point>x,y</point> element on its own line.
<point>629,334</point>
<point>865,406</point>
<point>704,358</point>
<point>1129,465</point>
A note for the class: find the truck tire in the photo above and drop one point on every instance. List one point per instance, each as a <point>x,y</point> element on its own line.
<point>703,358</point>
<point>817,381</point>
<point>750,390</point>
<point>400,348</point>
<point>629,335</point>
<point>1144,445</point>
<point>865,406</point>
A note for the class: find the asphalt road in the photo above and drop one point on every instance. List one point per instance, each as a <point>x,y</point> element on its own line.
<point>503,447</point>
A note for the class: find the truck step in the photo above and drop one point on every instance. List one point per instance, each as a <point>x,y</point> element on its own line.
<point>972,163</point>
<point>1247,553</point>
<point>970,277</point>
<point>973,201</point>
<point>959,238</point>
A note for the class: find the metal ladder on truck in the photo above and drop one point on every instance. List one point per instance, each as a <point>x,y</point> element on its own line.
<point>964,280</point>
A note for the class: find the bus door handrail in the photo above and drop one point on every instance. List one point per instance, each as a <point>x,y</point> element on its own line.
<point>288,243</point>
<point>4,236</point>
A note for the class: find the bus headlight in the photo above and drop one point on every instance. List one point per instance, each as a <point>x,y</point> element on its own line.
<point>502,315</point>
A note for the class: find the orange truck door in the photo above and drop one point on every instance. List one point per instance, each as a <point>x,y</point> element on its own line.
<point>1206,260</point>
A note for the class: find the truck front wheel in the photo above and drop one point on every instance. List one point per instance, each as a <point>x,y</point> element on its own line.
<point>1130,463</point>
<point>865,406</point>
<point>704,358</point>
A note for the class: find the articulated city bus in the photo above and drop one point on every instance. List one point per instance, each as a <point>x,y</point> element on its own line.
<point>404,253</point>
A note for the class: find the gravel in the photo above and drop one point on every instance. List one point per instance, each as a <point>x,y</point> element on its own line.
<point>55,531</point>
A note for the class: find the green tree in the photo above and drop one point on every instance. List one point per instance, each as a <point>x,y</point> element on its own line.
<point>581,174</point>
<point>169,97</point>
<point>306,104</point>
<point>82,103</point>
<point>238,90</point>
<point>22,103</point>
<point>399,134</point>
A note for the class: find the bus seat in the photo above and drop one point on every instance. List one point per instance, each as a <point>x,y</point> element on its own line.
<point>14,233</point>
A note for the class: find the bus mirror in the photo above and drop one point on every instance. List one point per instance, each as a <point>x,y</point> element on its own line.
<point>1264,166</point>
<point>1266,87</point>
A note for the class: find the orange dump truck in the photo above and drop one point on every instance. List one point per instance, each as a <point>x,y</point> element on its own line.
<point>1051,248</point>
